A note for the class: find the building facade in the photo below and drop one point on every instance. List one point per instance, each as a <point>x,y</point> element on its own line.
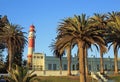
<point>42,62</point>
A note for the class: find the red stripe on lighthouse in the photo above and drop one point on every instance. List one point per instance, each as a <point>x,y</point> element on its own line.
<point>31,42</point>
<point>29,55</point>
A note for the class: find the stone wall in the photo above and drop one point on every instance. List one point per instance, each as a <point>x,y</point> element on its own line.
<point>54,73</point>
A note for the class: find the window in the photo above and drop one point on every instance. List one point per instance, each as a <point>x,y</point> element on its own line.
<point>89,66</point>
<point>54,67</point>
<point>34,56</point>
<point>73,67</point>
<point>33,66</point>
<point>65,66</point>
<point>105,66</point>
<point>113,67</point>
<point>37,66</point>
<point>38,56</point>
<point>41,57</point>
<point>41,67</point>
<point>98,67</point>
<point>49,66</point>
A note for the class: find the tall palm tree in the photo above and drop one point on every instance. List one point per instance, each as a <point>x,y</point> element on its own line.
<point>114,23</point>
<point>14,39</point>
<point>80,32</point>
<point>57,52</point>
<point>100,21</point>
<point>59,55</point>
<point>88,46</point>
<point>63,45</point>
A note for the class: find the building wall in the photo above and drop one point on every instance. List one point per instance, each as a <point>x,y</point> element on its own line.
<point>38,61</point>
<point>48,63</point>
<point>54,73</point>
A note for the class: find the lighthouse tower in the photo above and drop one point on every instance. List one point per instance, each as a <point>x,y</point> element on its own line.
<point>31,45</point>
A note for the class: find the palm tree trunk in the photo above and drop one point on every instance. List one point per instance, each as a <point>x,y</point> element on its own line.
<point>69,59</point>
<point>60,65</point>
<point>101,63</point>
<point>86,61</point>
<point>10,55</point>
<point>116,63</point>
<point>115,60</point>
<point>81,62</point>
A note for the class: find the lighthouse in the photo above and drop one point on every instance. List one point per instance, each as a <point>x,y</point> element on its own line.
<point>31,45</point>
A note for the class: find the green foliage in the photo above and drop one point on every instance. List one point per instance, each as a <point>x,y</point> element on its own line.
<point>58,79</point>
<point>21,74</point>
<point>3,21</point>
<point>2,68</point>
<point>116,77</point>
<point>1,64</point>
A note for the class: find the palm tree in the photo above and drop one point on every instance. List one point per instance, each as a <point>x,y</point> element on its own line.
<point>100,21</point>
<point>21,74</point>
<point>88,46</point>
<point>60,46</point>
<point>14,39</point>
<point>3,22</point>
<point>103,49</point>
<point>59,55</point>
<point>114,24</point>
<point>81,32</point>
<point>57,52</point>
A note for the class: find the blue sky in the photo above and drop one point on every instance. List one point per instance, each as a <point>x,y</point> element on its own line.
<point>46,15</point>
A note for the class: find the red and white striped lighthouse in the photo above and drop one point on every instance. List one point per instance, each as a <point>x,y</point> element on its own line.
<point>31,45</point>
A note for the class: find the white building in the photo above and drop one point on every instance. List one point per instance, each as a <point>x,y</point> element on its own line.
<point>42,62</point>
